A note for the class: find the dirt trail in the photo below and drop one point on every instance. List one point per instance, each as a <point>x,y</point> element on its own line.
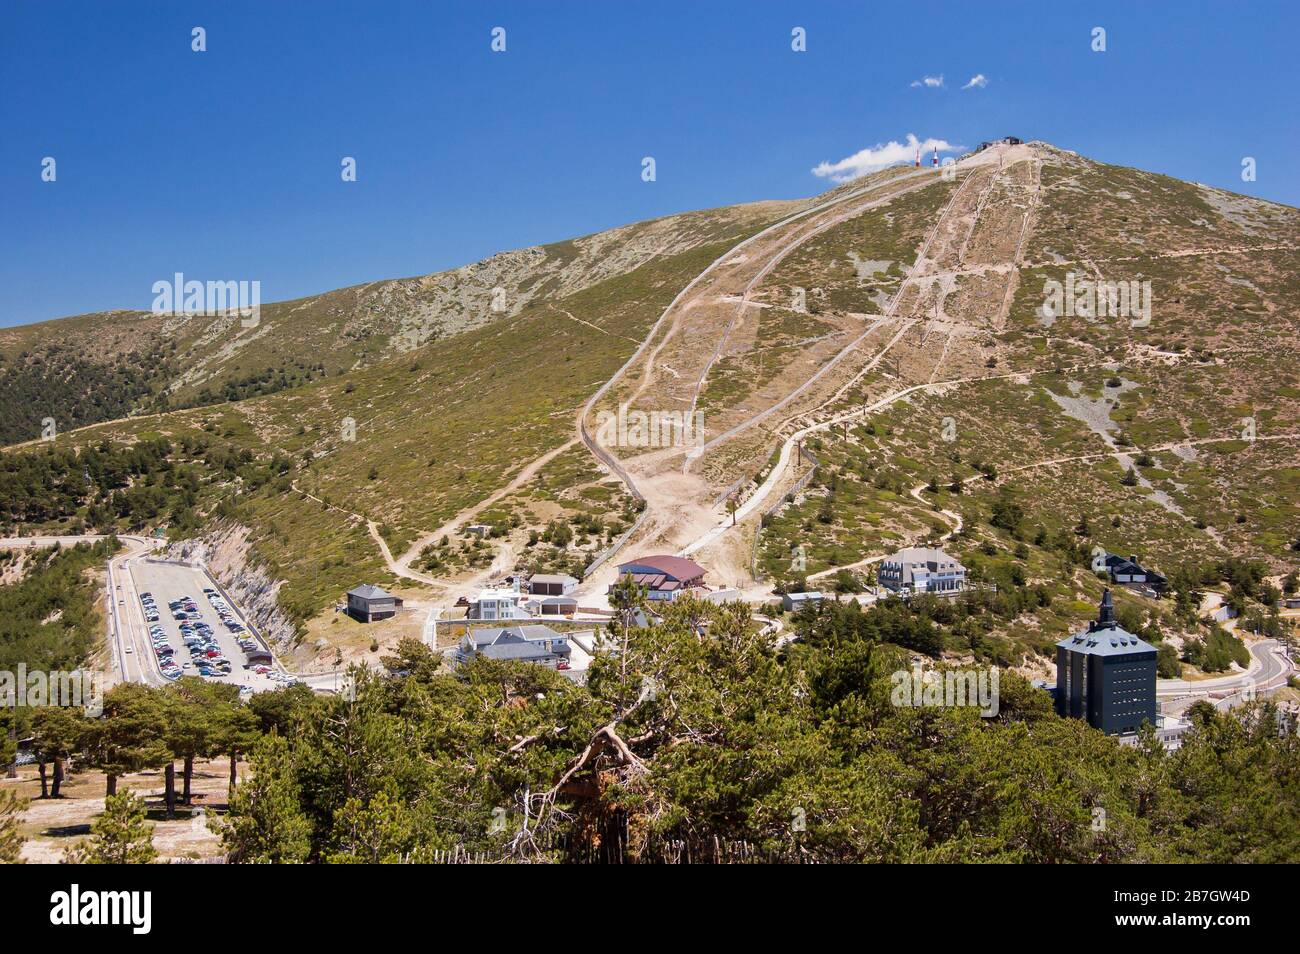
<point>921,270</point>
<point>583,321</point>
<point>469,513</point>
<point>732,259</point>
<point>1177,253</point>
<point>375,535</point>
<point>680,515</point>
<point>502,561</point>
<point>778,477</point>
<point>678,505</point>
<point>956,522</point>
<point>779,256</point>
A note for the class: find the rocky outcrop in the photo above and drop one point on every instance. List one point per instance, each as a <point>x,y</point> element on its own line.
<point>227,554</point>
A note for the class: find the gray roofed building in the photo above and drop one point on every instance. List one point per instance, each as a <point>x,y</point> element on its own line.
<point>1107,675</point>
<point>367,603</point>
<point>1126,571</point>
<point>794,601</point>
<point>921,570</point>
<point>538,644</point>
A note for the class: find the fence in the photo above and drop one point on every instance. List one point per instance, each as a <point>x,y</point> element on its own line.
<point>798,487</point>
<point>799,484</point>
<point>708,852</point>
<point>617,544</point>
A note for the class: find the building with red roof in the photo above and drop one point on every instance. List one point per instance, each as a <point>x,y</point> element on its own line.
<point>664,577</point>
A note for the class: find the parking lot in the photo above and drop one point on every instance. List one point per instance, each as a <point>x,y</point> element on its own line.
<point>210,639</point>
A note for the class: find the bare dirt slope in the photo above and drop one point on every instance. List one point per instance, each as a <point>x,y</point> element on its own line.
<point>904,286</point>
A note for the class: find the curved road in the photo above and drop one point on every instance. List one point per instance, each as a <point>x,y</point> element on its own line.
<point>127,664</point>
<point>1269,669</point>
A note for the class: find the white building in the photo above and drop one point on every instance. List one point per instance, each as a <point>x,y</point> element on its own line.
<point>497,603</point>
<point>922,570</point>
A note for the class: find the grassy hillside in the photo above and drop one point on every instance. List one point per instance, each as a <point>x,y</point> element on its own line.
<point>1173,440</point>
<point>434,430</point>
<point>98,367</point>
<point>407,404</point>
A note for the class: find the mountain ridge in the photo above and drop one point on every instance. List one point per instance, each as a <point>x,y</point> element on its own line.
<point>915,288</point>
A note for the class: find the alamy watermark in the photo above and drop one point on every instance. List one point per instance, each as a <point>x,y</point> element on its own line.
<point>36,688</point>
<point>953,688</point>
<point>626,428</point>
<point>133,909</point>
<point>186,298</point>
<point>1097,299</point>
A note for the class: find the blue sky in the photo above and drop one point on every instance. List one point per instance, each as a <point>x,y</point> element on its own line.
<point>225,164</point>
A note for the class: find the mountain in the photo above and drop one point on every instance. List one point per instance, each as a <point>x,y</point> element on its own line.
<point>97,367</point>
<point>907,358</point>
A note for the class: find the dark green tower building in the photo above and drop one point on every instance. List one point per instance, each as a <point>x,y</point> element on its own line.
<point>1107,675</point>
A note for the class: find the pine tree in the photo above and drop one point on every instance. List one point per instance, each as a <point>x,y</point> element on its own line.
<point>11,840</point>
<point>58,732</point>
<point>129,736</point>
<point>121,836</point>
<point>266,822</point>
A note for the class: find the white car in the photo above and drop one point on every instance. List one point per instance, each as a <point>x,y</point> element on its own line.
<point>129,649</point>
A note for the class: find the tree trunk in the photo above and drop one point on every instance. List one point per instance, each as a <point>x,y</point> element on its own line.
<point>58,778</point>
<point>45,785</point>
<point>12,770</point>
<point>234,761</point>
<point>189,774</point>
<point>171,789</point>
<point>110,787</point>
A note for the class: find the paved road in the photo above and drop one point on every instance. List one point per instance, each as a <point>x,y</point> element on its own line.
<point>127,665</point>
<point>128,574</point>
<point>10,543</point>
<point>1269,669</point>
<point>131,647</point>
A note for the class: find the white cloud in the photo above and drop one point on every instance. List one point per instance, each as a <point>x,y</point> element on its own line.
<point>879,156</point>
<point>933,82</point>
<point>978,81</point>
